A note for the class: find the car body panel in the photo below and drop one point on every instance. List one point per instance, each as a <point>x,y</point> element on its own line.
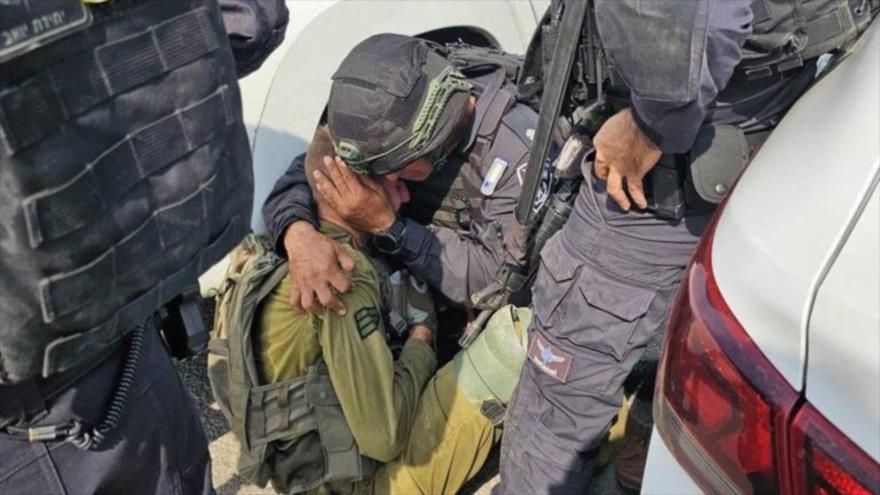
<point>843,363</point>
<point>791,208</point>
<point>664,475</point>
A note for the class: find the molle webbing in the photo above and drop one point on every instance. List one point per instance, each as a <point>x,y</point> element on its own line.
<point>449,199</point>
<point>288,412</point>
<point>125,174</point>
<point>452,196</point>
<point>61,210</point>
<point>40,105</point>
<point>90,195</point>
<point>788,32</point>
<point>499,102</point>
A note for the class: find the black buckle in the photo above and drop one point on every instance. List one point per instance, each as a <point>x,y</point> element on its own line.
<point>494,411</point>
<point>793,62</point>
<point>182,325</point>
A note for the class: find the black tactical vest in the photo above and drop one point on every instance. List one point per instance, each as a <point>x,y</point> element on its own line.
<point>452,196</point>
<point>124,173</point>
<point>785,33</point>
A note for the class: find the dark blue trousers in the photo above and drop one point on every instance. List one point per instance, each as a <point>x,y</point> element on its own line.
<point>602,294</point>
<point>158,448</point>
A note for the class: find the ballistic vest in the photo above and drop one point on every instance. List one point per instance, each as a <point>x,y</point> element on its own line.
<point>785,34</point>
<point>293,432</point>
<point>451,197</point>
<point>125,172</point>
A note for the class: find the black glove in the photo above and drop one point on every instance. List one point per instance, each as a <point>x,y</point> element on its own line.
<point>255,28</point>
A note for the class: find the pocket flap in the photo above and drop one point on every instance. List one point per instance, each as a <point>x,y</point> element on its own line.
<point>719,155</point>
<point>561,264</point>
<point>617,298</point>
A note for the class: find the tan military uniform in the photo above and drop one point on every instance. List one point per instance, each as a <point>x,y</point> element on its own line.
<point>432,437</point>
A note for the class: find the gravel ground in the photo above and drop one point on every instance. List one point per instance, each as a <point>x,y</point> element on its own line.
<point>224,447</point>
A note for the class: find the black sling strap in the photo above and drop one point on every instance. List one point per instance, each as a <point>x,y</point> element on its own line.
<point>551,103</point>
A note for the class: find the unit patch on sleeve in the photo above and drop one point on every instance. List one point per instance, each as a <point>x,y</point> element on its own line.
<point>552,361</point>
<point>367,320</point>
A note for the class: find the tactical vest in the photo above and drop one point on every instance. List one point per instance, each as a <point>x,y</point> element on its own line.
<point>452,196</point>
<point>125,172</point>
<point>785,33</point>
<point>292,433</point>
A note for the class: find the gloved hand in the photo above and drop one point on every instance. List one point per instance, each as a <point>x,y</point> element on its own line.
<point>409,302</point>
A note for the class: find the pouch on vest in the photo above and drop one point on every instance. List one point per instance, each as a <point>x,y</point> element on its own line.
<point>475,61</point>
<point>720,153</point>
<point>292,433</point>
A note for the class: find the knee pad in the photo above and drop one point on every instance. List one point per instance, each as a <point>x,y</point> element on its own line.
<point>489,368</point>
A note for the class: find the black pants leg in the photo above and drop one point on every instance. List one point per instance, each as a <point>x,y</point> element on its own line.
<point>158,447</point>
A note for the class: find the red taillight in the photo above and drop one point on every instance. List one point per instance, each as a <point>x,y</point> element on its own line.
<point>722,406</point>
<point>825,462</point>
<point>731,419</point>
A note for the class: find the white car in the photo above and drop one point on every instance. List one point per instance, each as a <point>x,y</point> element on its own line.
<point>770,379</point>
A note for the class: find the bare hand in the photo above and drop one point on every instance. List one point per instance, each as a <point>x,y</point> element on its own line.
<point>422,333</point>
<point>317,266</point>
<point>623,152</point>
<point>360,200</point>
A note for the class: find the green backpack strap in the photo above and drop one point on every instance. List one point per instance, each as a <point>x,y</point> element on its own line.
<point>243,368</point>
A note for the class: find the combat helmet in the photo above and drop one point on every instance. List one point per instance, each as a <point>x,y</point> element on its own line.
<point>394,99</point>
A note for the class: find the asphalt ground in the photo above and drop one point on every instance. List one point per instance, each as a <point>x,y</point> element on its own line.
<point>224,447</point>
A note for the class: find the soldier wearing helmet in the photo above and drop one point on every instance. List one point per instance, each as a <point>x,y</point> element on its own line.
<point>445,145</point>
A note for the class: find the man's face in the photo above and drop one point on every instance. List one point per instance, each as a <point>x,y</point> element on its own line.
<point>395,184</point>
<point>414,171</point>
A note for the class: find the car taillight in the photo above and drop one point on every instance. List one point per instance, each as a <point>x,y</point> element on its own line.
<point>826,462</point>
<point>723,407</point>
<point>731,419</point>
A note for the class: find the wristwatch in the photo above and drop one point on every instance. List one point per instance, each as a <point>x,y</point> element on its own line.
<point>390,240</point>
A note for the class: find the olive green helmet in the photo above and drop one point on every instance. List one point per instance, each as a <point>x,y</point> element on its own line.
<point>394,99</point>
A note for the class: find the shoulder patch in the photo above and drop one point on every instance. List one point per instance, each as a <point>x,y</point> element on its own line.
<point>548,358</point>
<point>367,321</point>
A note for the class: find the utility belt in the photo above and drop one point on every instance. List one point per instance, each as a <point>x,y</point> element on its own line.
<point>696,181</point>
<point>26,403</point>
<point>183,333</point>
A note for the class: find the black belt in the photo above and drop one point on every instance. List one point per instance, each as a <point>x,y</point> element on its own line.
<point>27,402</point>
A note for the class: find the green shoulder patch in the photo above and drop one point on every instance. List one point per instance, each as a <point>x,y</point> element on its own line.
<point>367,320</point>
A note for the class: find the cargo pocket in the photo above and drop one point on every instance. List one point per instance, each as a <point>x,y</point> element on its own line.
<point>610,312</point>
<point>554,282</point>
